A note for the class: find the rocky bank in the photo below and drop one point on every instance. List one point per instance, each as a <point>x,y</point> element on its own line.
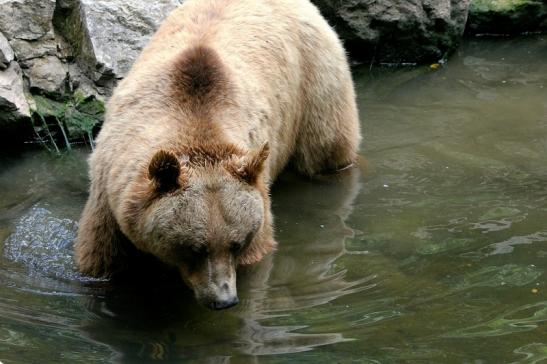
<point>60,59</point>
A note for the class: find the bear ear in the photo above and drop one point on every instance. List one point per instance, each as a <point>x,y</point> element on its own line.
<point>249,167</point>
<point>164,171</point>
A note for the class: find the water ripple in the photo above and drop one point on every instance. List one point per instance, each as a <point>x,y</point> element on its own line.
<point>496,276</point>
<point>535,353</point>
<point>504,325</point>
<point>507,246</point>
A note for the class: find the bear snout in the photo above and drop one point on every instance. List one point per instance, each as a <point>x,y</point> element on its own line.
<point>218,295</point>
<point>227,303</point>
<point>219,300</point>
<point>224,294</point>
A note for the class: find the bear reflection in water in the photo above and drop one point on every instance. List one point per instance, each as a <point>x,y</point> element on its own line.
<point>165,323</point>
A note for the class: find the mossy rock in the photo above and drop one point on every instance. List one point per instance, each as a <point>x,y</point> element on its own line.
<point>507,17</point>
<point>74,119</point>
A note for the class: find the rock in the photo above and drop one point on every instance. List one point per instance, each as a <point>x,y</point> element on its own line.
<point>398,31</point>
<point>81,82</point>
<point>6,53</point>
<point>49,66</point>
<point>504,17</point>
<point>45,56</point>
<point>26,19</point>
<point>14,108</point>
<point>28,25</point>
<point>107,36</point>
<point>43,243</point>
<point>48,74</point>
<point>13,103</point>
<point>25,50</point>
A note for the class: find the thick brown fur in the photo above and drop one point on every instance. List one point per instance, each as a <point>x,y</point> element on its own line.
<point>225,95</point>
<point>198,78</point>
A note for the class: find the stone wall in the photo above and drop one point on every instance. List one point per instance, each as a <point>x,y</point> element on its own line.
<point>60,58</point>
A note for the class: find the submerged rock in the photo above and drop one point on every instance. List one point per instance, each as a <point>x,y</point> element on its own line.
<point>43,243</point>
<point>507,17</point>
<point>398,31</point>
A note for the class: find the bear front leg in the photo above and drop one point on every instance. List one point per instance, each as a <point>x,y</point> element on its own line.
<point>99,244</point>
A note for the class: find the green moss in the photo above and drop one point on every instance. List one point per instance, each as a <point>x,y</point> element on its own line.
<point>45,106</point>
<point>507,17</point>
<point>73,120</point>
<point>499,5</point>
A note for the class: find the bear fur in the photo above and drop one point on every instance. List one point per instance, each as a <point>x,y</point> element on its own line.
<point>226,94</point>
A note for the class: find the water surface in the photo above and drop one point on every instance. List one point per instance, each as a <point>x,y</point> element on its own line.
<point>434,250</point>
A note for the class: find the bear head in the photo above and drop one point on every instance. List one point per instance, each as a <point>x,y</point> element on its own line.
<point>204,211</point>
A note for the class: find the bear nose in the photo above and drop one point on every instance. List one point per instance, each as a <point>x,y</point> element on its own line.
<point>227,303</point>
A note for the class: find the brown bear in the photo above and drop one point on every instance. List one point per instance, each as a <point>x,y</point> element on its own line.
<point>225,95</point>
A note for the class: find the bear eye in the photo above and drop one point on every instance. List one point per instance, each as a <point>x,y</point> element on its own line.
<point>249,237</point>
<point>235,247</point>
<point>200,250</point>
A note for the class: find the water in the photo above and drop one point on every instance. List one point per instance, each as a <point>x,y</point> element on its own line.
<point>433,251</point>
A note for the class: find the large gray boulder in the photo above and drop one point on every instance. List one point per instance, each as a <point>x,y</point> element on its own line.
<point>28,25</point>
<point>107,36</point>
<point>398,31</point>
<point>69,51</point>
<point>45,57</point>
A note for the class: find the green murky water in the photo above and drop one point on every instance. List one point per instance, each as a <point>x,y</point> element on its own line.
<point>435,252</point>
